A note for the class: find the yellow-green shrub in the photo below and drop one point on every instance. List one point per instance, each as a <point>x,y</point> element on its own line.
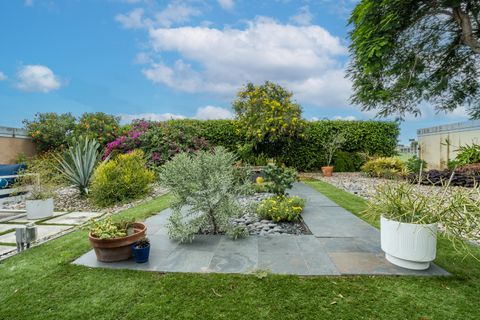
<point>384,167</point>
<point>281,208</point>
<point>121,179</point>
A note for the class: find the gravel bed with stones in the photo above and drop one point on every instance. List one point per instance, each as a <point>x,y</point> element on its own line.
<point>257,226</point>
<point>363,186</point>
<point>69,199</point>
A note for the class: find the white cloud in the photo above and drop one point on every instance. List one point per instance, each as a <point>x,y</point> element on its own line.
<point>226,4</point>
<point>213,113</point>
<point>127,118</point>
<point>176,12</point>
<point>28,3</point>
<point>345,118</point>
<point>203,113</point>
<point>132,20</point>
<point>37,78</point>
<point>3,76</point>
<point>303,17</point>
<point>303,58</point>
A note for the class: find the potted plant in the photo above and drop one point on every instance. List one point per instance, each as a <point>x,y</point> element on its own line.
<point>330,148</point>
<point>39,199</point>
<point>141,250</point>
<point>409,221</point>
<point>112,241</point>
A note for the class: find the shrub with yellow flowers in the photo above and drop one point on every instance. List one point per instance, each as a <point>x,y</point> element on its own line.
<point>281,208</point>
<point>267,114</point>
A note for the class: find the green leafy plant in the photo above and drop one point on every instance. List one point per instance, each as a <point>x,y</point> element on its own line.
<point>142,243</point>
<point>50,131</point>
<point>458,212</point>
<point>414,164</point>
<point>384,167</point>
<point>205,188</point>
<point>280,178</point>
<point>32,184</point>
<point>121,179</point>
<point>79,162</point>
<point>108,229</point>
<point>468,154</point>
<point>281,208</point>
<point>98,126</point>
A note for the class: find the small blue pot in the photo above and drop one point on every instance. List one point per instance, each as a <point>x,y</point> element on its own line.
<point>140,255</point>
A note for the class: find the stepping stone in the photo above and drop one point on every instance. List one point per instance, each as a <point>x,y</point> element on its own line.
<point>7,226</point>
<point>25,220</point>
<point>74,218</point>
<point>42,232</point>
<point>7,249</point>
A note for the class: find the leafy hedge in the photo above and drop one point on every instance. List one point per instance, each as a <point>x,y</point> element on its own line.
<point>368,137</point>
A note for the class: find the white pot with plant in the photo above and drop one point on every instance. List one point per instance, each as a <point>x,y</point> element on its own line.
<point>39,203</point>
<point>409,221</point>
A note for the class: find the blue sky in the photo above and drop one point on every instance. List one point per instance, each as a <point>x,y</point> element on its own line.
<point>173,59</point>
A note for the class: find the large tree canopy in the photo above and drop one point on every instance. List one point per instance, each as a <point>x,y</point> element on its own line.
<point>408,52</point>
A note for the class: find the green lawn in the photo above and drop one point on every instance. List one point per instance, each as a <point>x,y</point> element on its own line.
<point>42,284</point>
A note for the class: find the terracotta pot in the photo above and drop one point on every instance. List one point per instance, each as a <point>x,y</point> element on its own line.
<point>117,249</point>
<point>327,171</point>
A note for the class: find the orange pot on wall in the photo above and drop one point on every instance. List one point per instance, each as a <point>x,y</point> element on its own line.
<point>327,171</point>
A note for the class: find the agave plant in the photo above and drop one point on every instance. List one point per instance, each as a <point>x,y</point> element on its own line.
<point>79,162</point>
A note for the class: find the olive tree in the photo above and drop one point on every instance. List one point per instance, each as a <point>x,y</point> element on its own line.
<point>205,188</point>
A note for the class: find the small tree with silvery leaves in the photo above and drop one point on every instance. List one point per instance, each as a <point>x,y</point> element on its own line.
<point>205,188</point>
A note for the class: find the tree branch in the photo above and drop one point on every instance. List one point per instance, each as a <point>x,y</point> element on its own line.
<point>465,24</point>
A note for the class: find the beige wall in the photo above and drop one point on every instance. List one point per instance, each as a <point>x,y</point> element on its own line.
<point>436,152</point>
<point>11,147</point>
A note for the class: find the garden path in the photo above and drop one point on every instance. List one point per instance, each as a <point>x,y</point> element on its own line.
<point>340,244</point>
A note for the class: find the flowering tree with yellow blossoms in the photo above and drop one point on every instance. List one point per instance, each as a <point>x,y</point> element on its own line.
<point>267,115</point>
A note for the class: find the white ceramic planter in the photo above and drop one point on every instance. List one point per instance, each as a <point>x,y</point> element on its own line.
<point>407,245</point>
<point>39,209</point>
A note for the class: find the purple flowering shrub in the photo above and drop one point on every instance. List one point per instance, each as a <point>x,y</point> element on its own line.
<point>160,141</point>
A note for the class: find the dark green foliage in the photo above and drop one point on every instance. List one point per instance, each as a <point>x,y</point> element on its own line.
<point>280,179</point>
<point>160,141</point>
<point>348,161</point>
<point>50,130</point>
<point>369,137</point>
<point>414,164</point>
<point>408,52</point>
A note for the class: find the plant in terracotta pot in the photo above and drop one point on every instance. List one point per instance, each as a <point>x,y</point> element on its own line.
<point>330,148</point>
<point>141,250</point>
<point>112,240</point>
<point>409,220</point>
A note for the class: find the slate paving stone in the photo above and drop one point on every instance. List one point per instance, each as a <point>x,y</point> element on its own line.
<point>43,231</point>
<point>235,256</point>
<point>316,258</point>
<point>74,218</point>
<point>278,245</point>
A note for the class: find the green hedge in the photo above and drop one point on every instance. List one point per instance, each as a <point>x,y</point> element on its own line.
<point>362,137</point>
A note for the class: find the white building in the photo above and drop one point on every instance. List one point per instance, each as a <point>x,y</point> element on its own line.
<point>439,144</point>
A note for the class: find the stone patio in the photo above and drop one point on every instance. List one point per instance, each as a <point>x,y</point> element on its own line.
<point>340,244</point>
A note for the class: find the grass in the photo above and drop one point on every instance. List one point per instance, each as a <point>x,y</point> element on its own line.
<point>41,283</point>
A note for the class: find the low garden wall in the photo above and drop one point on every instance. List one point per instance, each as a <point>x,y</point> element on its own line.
<point>14,142</point>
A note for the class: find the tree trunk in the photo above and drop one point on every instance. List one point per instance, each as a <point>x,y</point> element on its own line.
<point>213,221</point>
<point>465,24</point>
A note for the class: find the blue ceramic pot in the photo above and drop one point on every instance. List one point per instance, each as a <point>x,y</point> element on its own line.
<point>140,255</point>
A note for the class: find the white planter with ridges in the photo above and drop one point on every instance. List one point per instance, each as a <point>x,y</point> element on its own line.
<point>39,209</point>
<point>408,245</point>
